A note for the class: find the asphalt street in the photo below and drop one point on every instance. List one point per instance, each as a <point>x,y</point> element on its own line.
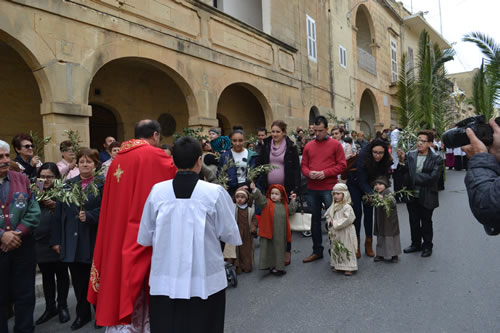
<point>455,290</point>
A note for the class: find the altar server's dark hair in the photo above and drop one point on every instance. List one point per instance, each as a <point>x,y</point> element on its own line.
<point>186,152</point>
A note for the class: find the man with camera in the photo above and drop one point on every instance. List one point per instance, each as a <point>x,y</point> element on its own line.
<point>483,179</point>
<point>420,170</point>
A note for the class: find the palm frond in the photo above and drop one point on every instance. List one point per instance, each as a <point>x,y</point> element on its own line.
<point>487,45</point>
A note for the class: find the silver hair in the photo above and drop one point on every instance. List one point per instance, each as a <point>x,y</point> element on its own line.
<point>4,145</point>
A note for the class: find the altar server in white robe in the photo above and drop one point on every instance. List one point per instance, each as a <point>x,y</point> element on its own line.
<point>185,220</point>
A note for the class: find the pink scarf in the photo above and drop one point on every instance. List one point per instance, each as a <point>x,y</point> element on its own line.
<point>278,151</point>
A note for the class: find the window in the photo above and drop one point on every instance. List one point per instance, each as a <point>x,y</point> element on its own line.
<point>410,58</point>
<point>394,60</point>
<point>311,39</point>
<point>342,56</point>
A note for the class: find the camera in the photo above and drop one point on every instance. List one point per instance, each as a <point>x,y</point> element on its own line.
<point>457,137</point>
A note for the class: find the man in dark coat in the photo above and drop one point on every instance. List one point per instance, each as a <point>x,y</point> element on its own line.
<point>420,170</point>
<point>483,180</point>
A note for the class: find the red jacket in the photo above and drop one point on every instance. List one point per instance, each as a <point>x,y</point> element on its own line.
<point>327,156</point>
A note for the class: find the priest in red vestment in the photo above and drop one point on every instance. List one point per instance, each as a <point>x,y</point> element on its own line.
<point>121,266</point>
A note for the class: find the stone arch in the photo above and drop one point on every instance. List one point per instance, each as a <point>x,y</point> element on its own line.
<point>22,90</point>
<point>313,113</point>
<point>139,88</point>
<point>368,111</point>
<point>242,103</point>
<point>365,35</point>
<point>33,52</point>
<point>105,121</point>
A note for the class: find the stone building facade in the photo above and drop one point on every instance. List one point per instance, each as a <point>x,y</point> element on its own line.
<point>380,31</point>
<point>99,66</point>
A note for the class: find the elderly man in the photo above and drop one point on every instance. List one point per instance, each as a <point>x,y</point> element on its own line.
<point>360,140</point>
<point>19,216</point>
<point>420,170</point>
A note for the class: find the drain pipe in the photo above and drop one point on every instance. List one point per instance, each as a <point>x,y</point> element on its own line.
<point>330,64</point>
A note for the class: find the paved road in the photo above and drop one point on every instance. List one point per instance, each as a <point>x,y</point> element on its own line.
<point>455,290</point>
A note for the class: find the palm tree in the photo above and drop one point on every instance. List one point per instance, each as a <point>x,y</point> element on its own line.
<point>406,92</point>
<point>425,101</point>
<point>486,83</point>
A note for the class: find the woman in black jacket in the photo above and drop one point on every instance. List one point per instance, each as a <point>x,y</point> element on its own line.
<point>279,150</point>
<point>48,259</point>
<point>373,161</point>
<point>75,231</point>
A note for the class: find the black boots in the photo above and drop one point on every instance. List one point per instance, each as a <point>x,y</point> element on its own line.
<point>46,316</point>
<point>52,312</point>
<point>64,316</point>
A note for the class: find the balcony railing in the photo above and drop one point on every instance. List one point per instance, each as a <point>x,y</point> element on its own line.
<point>367,61</point>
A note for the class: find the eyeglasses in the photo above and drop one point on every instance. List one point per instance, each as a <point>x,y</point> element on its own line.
<point>4,156</point>
<point>47,177</point>
<point>422,141</point>
<point>28,146</point>
<point>378,152</point>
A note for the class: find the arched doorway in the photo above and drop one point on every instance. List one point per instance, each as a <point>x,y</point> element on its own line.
<point>19,96</point>
<point>241,104</point>
<point>102,124</point>
<point>313,113</point>
<point>367,111</point>
<point>134,88</point>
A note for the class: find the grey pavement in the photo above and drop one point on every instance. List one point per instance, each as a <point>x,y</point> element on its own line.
<point>455,290</point>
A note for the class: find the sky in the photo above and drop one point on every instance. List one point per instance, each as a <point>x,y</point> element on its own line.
<point>458,18</point>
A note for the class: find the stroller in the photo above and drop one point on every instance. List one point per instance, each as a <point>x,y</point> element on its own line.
<point>232,279</point>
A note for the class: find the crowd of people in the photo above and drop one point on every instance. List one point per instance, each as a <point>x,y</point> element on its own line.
<point>153,226</point>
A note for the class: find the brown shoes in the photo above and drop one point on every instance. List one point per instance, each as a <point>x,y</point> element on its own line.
<point>312,258</point>
<point>368,247</point>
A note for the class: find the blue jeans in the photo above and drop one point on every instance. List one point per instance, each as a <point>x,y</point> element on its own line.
<point>360,207</point>
<point>314,200</point>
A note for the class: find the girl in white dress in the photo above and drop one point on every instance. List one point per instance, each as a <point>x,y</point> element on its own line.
<point>340,218</point>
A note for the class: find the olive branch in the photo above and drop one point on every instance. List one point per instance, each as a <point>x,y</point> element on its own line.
<point>386,201</point>
<point>254,173</point>
<point>339,252</point>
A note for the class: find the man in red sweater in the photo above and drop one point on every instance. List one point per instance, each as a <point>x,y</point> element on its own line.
<point>323,160</point>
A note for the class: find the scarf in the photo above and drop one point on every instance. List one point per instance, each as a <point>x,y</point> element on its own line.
<point>280,150</point>
<point>267,216</point>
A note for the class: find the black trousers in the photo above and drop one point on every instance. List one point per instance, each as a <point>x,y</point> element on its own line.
<point>17,275</point>
<point>51,271</point>
<point>80,275</point>
<point>192,315</point>
<point>420,225</point>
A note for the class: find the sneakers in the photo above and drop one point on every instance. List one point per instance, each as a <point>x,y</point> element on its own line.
<point>307,233</point>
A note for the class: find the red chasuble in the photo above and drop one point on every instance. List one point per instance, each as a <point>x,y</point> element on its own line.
<point>121,266</point>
